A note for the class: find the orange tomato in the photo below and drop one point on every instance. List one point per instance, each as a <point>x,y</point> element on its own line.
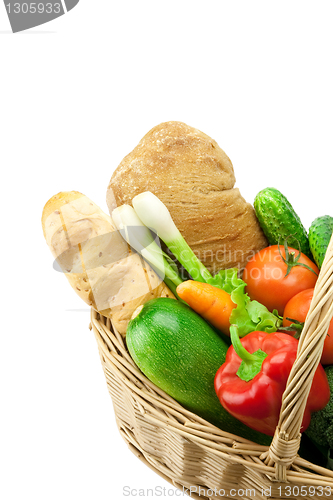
<point>297,308</point>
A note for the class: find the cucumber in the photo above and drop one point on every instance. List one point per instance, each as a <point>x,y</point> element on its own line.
<point>279,220</point>
<point>180,353</point>
<point>320,233</point>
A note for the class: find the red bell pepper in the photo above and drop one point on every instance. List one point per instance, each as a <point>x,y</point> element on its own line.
<point>251,381</point>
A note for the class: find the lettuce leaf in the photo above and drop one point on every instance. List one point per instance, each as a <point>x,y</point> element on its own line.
<point>249,315</point>
<point>226,279</point>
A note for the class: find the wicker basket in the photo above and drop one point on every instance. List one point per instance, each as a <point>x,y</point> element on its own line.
<point>199,458</point>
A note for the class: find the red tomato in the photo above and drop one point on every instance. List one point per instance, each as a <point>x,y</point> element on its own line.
<point>265,276</point>
<point>297,308</point>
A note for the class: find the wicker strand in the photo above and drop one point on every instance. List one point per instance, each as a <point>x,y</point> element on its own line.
<point>286,440</point>
<point>186,450</point>
<point>282,453</point>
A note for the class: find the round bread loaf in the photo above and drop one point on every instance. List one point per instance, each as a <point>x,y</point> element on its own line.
<point>195,179</point>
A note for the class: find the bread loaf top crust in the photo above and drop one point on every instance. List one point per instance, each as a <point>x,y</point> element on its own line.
<point>174,161</point>
<point>195,179</point>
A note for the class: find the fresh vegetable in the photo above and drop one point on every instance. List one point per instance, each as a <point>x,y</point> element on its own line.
<point>213,304</point>
<point>275,274</point>
<point>248,316</point>
<point>320,233</point>
<point>219,307</point>
<point>139,237</point>
<point>296,309</point>
<point>253,378</point>
<point>154,214</point>
<point>320,429</point>
<point>279,220</point>
<point>180,353</point>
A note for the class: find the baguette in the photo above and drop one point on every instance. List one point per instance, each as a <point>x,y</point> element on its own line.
<point>99,265</point>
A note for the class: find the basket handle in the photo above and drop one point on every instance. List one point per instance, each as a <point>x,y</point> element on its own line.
<point>287,437</point>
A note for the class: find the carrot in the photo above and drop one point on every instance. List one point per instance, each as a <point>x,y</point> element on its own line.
<point>213,304</point>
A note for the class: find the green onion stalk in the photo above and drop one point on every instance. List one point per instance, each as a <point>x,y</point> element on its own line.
<point>153,213</point>
<point>140,238</point>
<point>249,315</point>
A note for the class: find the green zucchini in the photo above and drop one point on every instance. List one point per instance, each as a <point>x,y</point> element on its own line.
<point>320,233</point>
<point>180,353</point>
<point>279,220</point>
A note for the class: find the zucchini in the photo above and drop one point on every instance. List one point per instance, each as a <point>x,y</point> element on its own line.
<point>320,233</point>
<point>180,353</point>
<point>279,220</point>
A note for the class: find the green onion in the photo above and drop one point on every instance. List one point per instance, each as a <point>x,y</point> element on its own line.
<point>139,237</point>
<point>154,214</point>
<point>249,315</point>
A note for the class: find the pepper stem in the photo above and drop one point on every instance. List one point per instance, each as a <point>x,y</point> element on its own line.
<point>251,363</point>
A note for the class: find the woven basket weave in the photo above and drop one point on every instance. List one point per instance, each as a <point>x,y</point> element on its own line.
<point>196,456</point>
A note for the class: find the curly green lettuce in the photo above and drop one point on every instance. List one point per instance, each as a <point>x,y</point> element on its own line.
<point>249,315</point>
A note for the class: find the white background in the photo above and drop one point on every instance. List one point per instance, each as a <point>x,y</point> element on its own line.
<point>76,96</point>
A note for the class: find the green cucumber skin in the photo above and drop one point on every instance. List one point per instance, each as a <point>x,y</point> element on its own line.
<point>320,233</point>
<point>180,353</point>
<point>278,220</point>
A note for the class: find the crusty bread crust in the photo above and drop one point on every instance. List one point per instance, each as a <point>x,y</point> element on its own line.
<point>56,202</point>
<point>177,162</point>
<point>53,228</point>
<point>195,179</point>
<point>98,263</point>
